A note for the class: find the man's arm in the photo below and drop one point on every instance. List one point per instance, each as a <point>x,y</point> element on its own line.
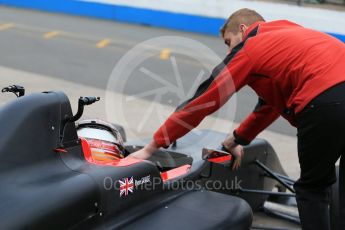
<point>262,116</point>
<point>214,93</point>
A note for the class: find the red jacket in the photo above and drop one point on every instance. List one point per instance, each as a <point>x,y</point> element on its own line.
<point>285,64</point>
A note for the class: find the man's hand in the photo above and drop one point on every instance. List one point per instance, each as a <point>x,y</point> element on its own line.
<point>238,153</point>
<point>235,149</point>
<point>145,152</point>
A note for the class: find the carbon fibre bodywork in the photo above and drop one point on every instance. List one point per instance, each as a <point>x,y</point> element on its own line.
<point>44,187</point>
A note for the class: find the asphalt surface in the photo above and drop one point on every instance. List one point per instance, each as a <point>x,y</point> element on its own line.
<point>85,51</point>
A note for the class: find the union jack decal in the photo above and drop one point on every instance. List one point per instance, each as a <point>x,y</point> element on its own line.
<point>126,186</point>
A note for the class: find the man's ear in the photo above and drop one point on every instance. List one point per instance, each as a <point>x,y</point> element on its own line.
<point>243,28</point>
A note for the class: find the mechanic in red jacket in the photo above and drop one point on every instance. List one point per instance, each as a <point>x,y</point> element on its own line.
<point>297,73</point>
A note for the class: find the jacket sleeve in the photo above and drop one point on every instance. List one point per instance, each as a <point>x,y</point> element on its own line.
<point>210,96</point>
<point>262,116</point>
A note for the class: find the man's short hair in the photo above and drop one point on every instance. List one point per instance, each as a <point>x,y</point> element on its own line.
<point>243,16</point>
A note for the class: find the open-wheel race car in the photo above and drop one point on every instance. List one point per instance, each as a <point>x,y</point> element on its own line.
<point>51,179</point>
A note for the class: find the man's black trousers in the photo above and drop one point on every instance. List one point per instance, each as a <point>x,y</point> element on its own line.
<point>321,142</point>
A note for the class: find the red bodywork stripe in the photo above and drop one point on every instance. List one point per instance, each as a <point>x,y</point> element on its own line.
<point>221,159</point>
<point>173,173</point>
<point>60,150</point>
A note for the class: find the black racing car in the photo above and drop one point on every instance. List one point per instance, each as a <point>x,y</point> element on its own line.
<point>48,180</point>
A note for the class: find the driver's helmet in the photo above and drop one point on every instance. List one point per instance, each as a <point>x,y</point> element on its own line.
<point>104,138</point>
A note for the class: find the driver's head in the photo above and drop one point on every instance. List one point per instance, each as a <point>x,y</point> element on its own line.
<point>234,28</point>
<point>104,138</point>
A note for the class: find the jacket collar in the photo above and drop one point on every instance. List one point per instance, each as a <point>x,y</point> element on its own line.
<point>250,29</point>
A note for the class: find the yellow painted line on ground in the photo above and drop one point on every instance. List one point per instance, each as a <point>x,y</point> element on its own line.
<point>165,54</point>
<point>118,45</point>
<point>51,34</point>
<point>6,26</point>
<point>103,43</point>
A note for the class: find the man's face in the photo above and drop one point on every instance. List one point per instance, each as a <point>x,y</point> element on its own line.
<point>231,39</point>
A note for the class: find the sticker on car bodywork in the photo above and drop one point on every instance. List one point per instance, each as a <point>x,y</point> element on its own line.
<point>128,184</point>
